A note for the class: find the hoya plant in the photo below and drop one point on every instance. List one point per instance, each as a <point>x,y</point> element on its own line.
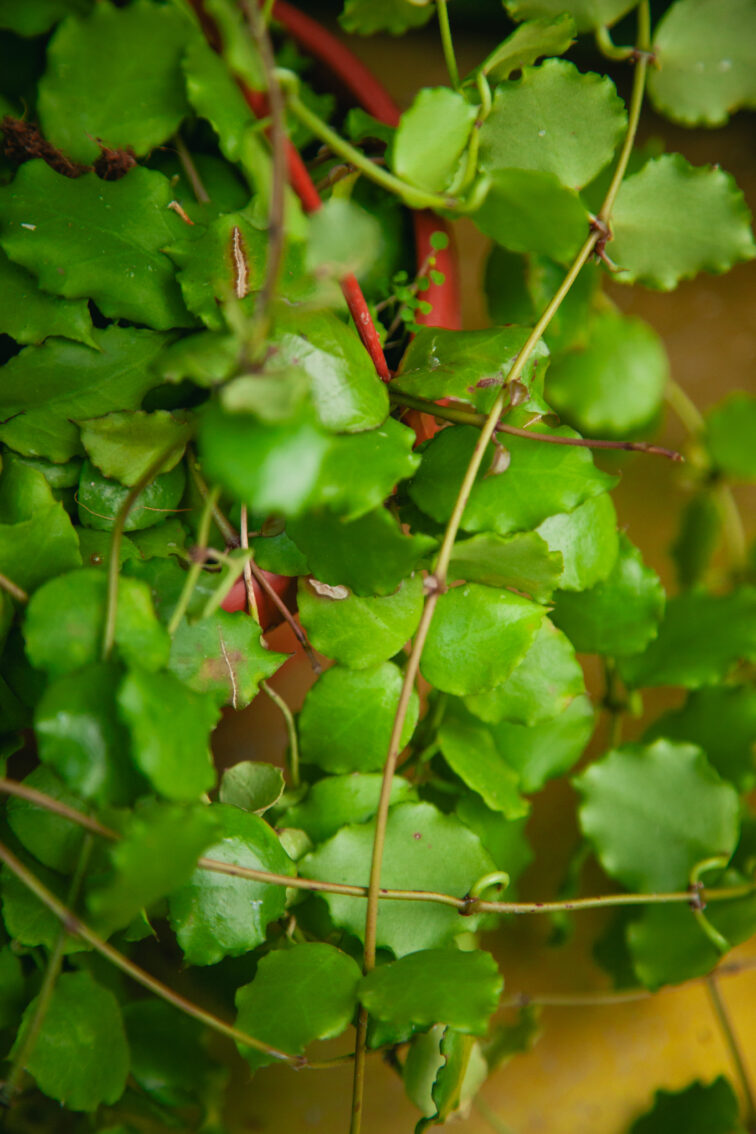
<point>236,393</point>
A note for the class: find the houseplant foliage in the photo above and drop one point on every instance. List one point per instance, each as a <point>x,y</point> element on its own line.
<point>186,398</point>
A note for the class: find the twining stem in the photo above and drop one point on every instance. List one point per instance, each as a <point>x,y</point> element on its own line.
<point>470,417</point>
<point>642,50</point>
<point>736,1054</point>
<point>13,589</point>
<point>447,43</point>
<point>195,570</point>
<point>224,525</point>
<point>291,729</point>
<point>685,408</point>
<point>74,926</point>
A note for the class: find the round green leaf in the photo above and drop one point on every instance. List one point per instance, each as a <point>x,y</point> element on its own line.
<point>81,1057</point>
<point>470,750</point>
<point>424,850</point>
<point>168,1056</point>
<point>730,430</point>
<point>37,538</point>
<point>701,1108</point>
<point>555,120</point>
<point>359,632</point>
<point>542,751</point>
<point>477,636</point>
<point>431,137</point>
<point>529,210</point>
<point>434,986</point>
<point>55,841</point>
<point>587,539</point>
<point>653,813</point>
<point>336,801</point>
<point>218,915</point>
<point>504,839</point>
<point>298,995</point>
<point>348,715</point>
<point>252,786</point>
<point>124,446</point>
<point>521,561</point>
<point>587,14</point>
<point>395,16</point>
<point>100,499</point>
<point>527,43</point>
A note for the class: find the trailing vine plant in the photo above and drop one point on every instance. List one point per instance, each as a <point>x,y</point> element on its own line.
<point>230,394</point>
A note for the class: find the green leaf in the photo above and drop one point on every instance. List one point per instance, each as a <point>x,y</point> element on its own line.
<point>395,16</point>
<point>704,66</point>
<point>459,659</point>
<point>348,715</point>
<point>252,786</point>
<point>618,616</point>
<point>168,1056</point>
<point>46,388</point>
<point>12,988</point>
<point>371,555</point>
<point>729,436</point>
<point>37,538</point>
<point>124,446</point>
<point>218,915</point>
<point>588,14</point>
<point>540,687</point>
<point>697,538</point>
<point>700,1108</point>
<point>359,632</point>
<point>613,384</point>
<point>459,1078</point>
<point>170,728</point>
<point>529,210</point>
<point>432,136</point>
<point>315,975</point>
<point>80,736</point>
<point>470,750</point>
<point>225,655</point>
<point>100,499</point>
<point>587,539</point>
<point>521,561</point>
<point>109,236</point>
<point>33,19</point>
<point>421,1067</point>
<point>504,839</point>
<point>469,366</point>
<point>722,721</point>
<point>215,95</point>
<point>279,554</point>
<point>701,637</point>
<point>672,220</point>
<point>542,751</point>
<point>336,801</point>
<point>29,315</point>
<point>158,853</point>
<point>541,479</point>
<point>444,986</point>
<point>53,840</point>
<point>343,238</point>
<point>652,813</point>
<point>555,120</point>
<point>115,75</point>
<point>65,620</point>
<point>527,43</point>
<point>424,850</point>
<point>81,1057</point>
<point>360,470</point>
<point>206,358</point>
<point>27,920</point>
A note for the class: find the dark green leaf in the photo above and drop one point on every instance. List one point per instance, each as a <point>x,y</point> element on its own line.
<point>279,554</point>
<point>359,632</point>
<point>12,988</point>
<point>159,542</point>
<point>698,1109</point>
<point>722,721</point>
<point>672,221</point>
<point>652,813</point>
<point>55,841</point>
<point>170,729</point>
<point>37,538</point>
<point>46,388</point>
<point>701,637</point>
<point>555,120</point>
<point>124,446</point>
<point>470,750</point>
<point>529,210</point>
<point>431,137</point>
<point>108,234</point>
<point>508,1040</point>
<point>432,986</point>
<point>225,655</point>
<point>360,470</point>
<point>504,839</point>
<point>168,1057</point>
<point>587,539</point>
<point>477,637</point>
<point>540,752</point>
<point>81,1057</point>
<point>705,69</point>
<point>730,429</point>
<point>312,976</point>
<point>347,717</point>
<point>65,620</point>
<point>30,315</point>
<point>365,17</point>
<point>215,95</point>
<point>521,561</point>
<point>336,801</point>
<point>218,915</point>
<point>158,853</point>
<point>697,539</point>
<point>80,736</point>
<point>28,921</point>
<point>252,786</point>
<point>424,850</point>
<point>588,14</point>
<point>613,385</point>
<point>541,686</point>
<point>371,555</point>
<point>100,499</point>
<point>618,616</point>
<point>528,42</point>
<point>207,358</point>
<point>33,19</point>
<point>115,75</point>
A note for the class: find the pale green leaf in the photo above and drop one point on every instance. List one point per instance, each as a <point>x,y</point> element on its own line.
<point>395,16</point>
<point>343,238</point>
<point>587,14</point>
<point>252,786</point>
<point>360,470</point>
<point>587,540</point>
<point>124,446</point>
<point>470,750</point>
<point>730,430</point>
<point>431,137</point>
<point>527,43</point>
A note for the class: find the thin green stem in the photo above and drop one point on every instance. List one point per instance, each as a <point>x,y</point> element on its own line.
<point>13,589</point>
<point>607,47</point>
<point>190,169</point>
<point>195,570</point>
<point>732,527</point>
<point>447,43</point>
<point>736,1054</point>
<point>224,525</point>
<point>412,196</point>
<point>686,409</point>
<point>291,729</point>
